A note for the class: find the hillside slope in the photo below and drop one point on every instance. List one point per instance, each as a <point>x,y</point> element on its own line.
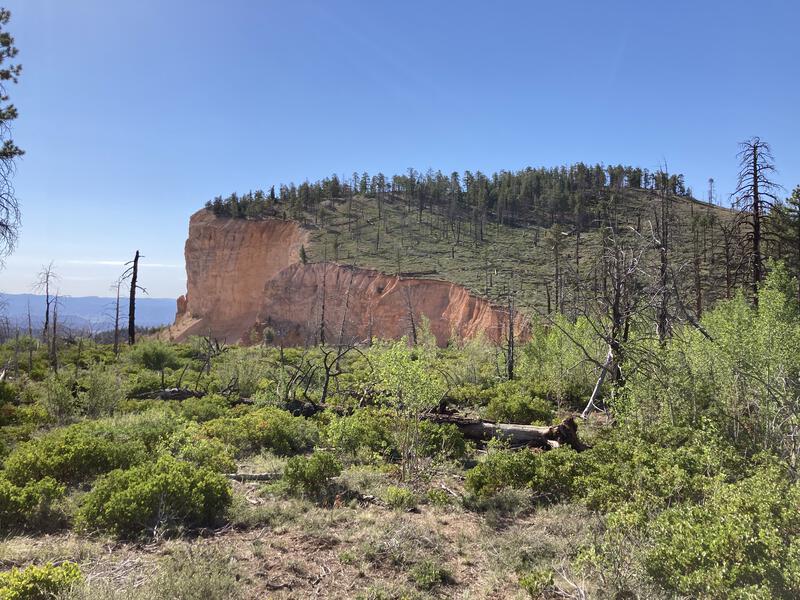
<point>245,276</point>
<point>332,260</point>
<point>529,258</point>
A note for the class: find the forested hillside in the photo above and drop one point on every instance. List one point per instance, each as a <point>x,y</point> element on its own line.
<point>547,236</point>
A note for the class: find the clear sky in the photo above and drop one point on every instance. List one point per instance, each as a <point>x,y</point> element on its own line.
<point>134,113</point>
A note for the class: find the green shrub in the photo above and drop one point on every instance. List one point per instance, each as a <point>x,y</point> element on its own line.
<point>102,392</point>
<point>241,368</point>
<point>155,356</point>
<point>469,394</point>
<point>204,409</point>
<point>155,496</point>
<point>80,452</point>
<point>22,414</point>
<point>30,505</point>
<point>141,383</point>
<point>70,455</point>
<point>647,475</point>
<point>310,476</point>
<point>191,445</point>
<point>551,475</point>
<point>429,574</point>
<point>19,423</point>
<point>444,441</point>
<point>400,498</point>
<point>55,395</point>
<point>265,428</point>
<point>38,583</point>
<point>438,497</point>
<point>9,392</point>
<point>367,432</point>
<point>537,583</point>
<point>743,541</point>
<point>511,404</point>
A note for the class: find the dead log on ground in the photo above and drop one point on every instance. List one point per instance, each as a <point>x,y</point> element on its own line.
<point>170,394</point>
<point>565,433</point>
<point>253,476</point>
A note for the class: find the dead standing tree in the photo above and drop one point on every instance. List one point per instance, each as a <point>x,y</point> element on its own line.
<point>629,293</point>
<point>46,278</point>
<point>132,272</point>
<point>117,285</point>
<point>755,196</point>
<point>53,349</point>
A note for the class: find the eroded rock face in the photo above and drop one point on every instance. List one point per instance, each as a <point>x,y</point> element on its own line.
<point>245,276</point>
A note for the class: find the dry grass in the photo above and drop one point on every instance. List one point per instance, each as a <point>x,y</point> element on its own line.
<point>278,547</point>
<point>306,551</point>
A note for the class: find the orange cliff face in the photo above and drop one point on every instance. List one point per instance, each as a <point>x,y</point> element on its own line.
<point>244,276</point>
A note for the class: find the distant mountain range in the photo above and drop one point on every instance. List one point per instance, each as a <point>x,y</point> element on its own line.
<point>91,313</point>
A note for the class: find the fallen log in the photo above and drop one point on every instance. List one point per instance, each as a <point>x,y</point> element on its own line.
<point>170,394</point>
<point>565,433</point>
<point>253,476</point>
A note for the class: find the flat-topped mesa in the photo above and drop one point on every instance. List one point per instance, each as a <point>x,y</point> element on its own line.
<point>244,276</point>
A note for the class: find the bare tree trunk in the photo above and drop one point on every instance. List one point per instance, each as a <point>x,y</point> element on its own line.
<point>663,326</point>
<point>16,353</point>
<point>410,309</point>
<point>757,268</point>
<point>596,391</point>
<point>132,301</point>
<point>510,354</point>
<point>53,341</point>
<point>31,341</point>
<point>322,314</point>
<point>116,321</point>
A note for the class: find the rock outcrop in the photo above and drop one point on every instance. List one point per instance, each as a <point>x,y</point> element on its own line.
<point>245,276</point>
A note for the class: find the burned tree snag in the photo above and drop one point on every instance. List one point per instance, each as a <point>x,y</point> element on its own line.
<point>132,301</point>
<point>133,272</point>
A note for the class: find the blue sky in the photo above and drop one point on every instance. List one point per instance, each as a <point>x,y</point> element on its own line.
<point>134,113</point>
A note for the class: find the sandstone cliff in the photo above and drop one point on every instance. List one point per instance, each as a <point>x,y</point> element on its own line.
<point>243,276</point>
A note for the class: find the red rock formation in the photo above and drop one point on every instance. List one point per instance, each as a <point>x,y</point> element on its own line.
<point>243,276</point>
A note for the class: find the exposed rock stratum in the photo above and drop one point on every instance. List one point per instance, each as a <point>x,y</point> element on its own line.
<point>246,275</point>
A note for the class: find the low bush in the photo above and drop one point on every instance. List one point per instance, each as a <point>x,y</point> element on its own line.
<point>647,475</point>
<point>537,583</point>
<point>70,455</point>
<point>400,498</point>
<point>155,497</point>
<point>443,441</point>
<point>310,476</point>
<point>9,392</point>
<point>265,428</point>
<point>142,382</point>
<point>29,506</point>
<point>155,356</point>
<point>510,403</point>
<point>55,395</point>
<point>22,414</point>
<point>206,408</point>
<point>743,541</point>
<point>550,475</point>
<point>366,433</point>
<point>191,445</point>
<point>80,452</point>
<point>102,392</point>
<point>438,497</point>
<point>38,582</point>
<point>429,574</point>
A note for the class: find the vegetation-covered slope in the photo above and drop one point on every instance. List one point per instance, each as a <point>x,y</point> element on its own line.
<point>540,233</point>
